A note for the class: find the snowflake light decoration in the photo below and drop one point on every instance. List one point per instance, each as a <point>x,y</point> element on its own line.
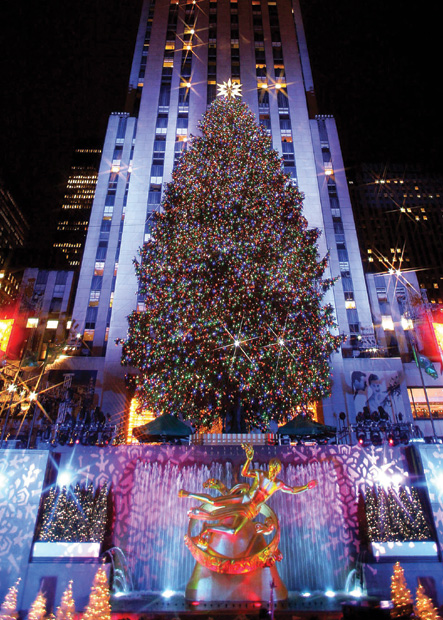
<point>229,89</point>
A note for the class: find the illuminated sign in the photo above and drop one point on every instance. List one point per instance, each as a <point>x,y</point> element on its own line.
<point>438,331</point>
<point>136,419</point>
<point>5,332</point>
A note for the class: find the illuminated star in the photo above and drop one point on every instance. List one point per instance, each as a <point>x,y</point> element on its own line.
<point>229,89</point>
<point>282,343</point>
<point>237,342</point>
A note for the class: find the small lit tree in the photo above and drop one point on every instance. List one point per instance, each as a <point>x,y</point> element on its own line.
<point>47,514</point>
<point>421,528</point>
<point>424,608</point>
<point>99,607</point>
<point>66,611</point>
<point>400,593</point>
<point>100,514</point>
<point>371,508</point>
<point>8,610</point>
<point>383,514</point>
<point>37,610</point>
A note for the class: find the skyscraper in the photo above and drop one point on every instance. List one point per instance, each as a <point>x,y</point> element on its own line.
<point>13,232</point>
<point>403,204</point>
<point>183,50</point>
<point>73,220</point>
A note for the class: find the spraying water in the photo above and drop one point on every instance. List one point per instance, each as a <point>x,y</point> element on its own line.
<point>314,543</point>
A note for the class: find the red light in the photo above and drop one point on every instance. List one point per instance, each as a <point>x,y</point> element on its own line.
<point>195,603</point>
<point>257,605</point>
<point>360,441</point>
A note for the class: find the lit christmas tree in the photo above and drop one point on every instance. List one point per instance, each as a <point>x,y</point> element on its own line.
<point>420,526</point>
<point>47,513</point>
<point>396,520</point>
<point>88,502</point>
<point>372,514</point>
<point>8,610</point>
<point>383,514</point>
<point>74,515</point>
<point>424,607</point>
<point>400,594</point>
<point>233,287</point>
<point>73,520</point>
<point>66,611</point>
<point>100,514</point>
<point>395,516</point>
<point>99,607</point>
<point>37,610</point>
<point>55,528</point>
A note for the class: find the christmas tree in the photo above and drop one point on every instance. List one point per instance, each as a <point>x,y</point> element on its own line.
<point>88,503</point>
<point>100,514</point>
<point>383,514</point>
<point>424,608</point>
<point>8,610</point>
<point>395,516</point>
<point>56,525</point>
<point>74,515</point>
<point>66,611</point>
<point>372,520</point>
<point>37,610</point>
<point>420,526</point>
<point>400,594</point>
<point>396,520</point>
<point>99,607</point>
<point>233,286</point>
<point>47,514</point>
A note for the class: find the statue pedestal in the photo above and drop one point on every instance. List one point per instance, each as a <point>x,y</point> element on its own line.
<point>224,584</point>
<point>207,586</point>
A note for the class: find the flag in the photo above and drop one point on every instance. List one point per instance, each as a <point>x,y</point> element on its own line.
<point>423,362</point>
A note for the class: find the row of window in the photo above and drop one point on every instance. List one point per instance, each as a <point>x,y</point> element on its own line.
<point>339,233</point>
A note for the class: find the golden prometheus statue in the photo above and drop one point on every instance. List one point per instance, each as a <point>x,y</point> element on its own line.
<point>234,560</point>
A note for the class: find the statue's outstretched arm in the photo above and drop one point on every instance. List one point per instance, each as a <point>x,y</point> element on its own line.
<point>249,450</point>
<point>214,483</point>
<point>202,497</point>
<point>287,489</point>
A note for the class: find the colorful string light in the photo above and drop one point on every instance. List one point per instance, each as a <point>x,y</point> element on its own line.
<point>232,283</point>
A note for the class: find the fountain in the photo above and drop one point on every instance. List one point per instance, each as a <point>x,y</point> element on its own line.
<point>314,541</point>
<point>121,578</point>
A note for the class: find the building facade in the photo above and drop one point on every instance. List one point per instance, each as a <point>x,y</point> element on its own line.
<point>43,314</point>
<point>183,50</point>
<point>14,229</point>
<point>398,209</point>
<point>73,220</point>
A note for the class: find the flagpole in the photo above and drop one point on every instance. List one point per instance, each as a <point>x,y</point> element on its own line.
<point>417,359</point>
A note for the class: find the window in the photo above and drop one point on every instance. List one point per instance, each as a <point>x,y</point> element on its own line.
<point>42,277</point>
<point>118,152</point>
<point>52,324</point>
<point>94,298</point>
<point>387,323</point>
<point>61,277</point>
<point>99,268</point>
<point>32,322</point>
<point>282,99</point>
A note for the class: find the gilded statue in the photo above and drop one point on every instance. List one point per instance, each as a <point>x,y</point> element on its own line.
<point>231,515</point>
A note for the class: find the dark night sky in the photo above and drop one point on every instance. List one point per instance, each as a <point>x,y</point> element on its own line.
<point>65,65</point>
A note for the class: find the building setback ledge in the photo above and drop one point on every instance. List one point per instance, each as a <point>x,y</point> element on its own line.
<point>389,551</point>
<point>65,550</point>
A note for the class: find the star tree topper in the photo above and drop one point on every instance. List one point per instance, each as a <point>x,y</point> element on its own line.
<point>229,89</point>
